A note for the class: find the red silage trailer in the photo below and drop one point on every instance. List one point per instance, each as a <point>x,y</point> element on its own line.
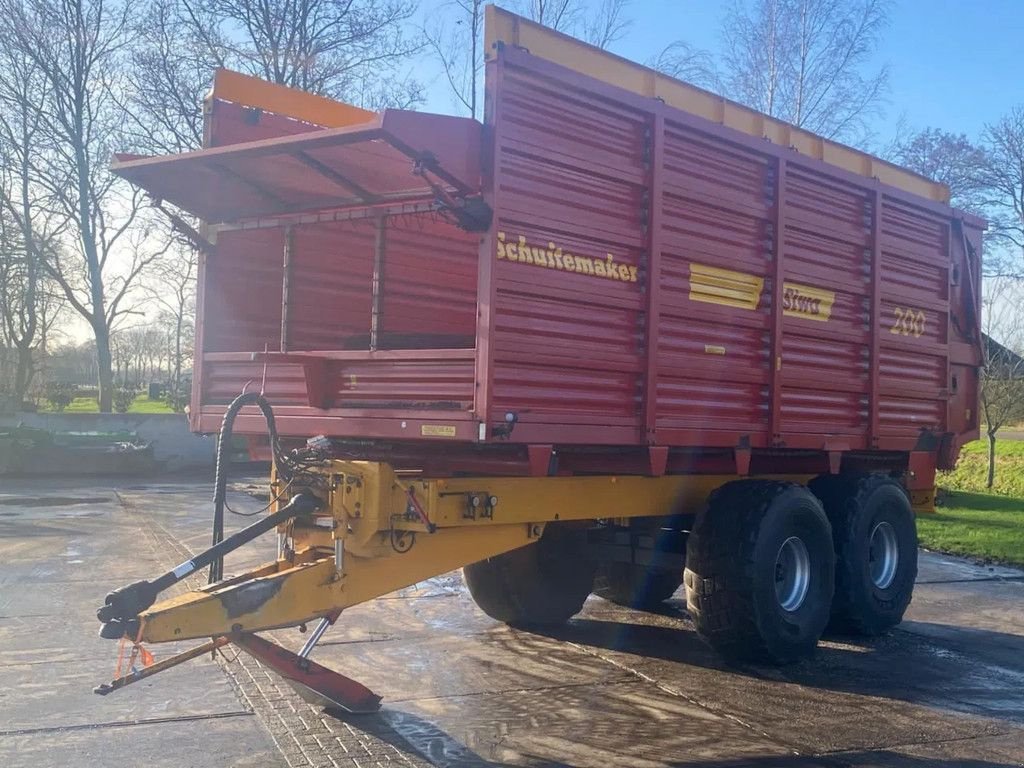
<point>651,328</point>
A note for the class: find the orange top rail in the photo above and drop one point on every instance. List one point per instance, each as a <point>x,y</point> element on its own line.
<point>308,107</point>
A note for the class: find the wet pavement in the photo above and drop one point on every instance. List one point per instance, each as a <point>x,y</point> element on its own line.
<point>615,687</point>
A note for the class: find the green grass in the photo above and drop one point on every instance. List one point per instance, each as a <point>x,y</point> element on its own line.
<point>142,404</point>
<point>971,471</point>
<point>78,405</point>
<point>973,521</point>
<point>978,525</point>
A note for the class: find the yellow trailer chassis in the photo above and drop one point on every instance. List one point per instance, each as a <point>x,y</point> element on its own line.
<point>366,530</point>
<point>377,531</point>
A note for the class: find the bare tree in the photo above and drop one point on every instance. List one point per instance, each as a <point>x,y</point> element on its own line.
<point>560,15</point>
<point>79,49</point>
<point>174,291</point>
<point>599,22</point>
<point>950,158</point>
<point>1004,178</point>
<point>23,230</point>
<point>339,49</point>
<point>74,363</point>
<point>683,61</point>
<point>19,293</point>
<point>171,68</point>
<point>454,37</point>
<point>353,50</point>
<point>607,23</point>
<point>803,61</point>
<point>1002,382</point>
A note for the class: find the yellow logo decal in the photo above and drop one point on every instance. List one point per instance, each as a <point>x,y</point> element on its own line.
<point>553,257</point>
<point>714,285</point>
<point>437,430</point>
<point>807,302</point>
<point>908,322</point>
<point>729,288</point>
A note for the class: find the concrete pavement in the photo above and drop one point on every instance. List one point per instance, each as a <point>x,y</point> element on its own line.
<point>615,687</point>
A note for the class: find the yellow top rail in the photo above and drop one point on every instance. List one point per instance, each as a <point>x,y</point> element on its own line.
<point>502,26</point>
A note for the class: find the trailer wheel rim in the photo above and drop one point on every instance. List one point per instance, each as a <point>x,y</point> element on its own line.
<point>883,555</point>
<point>792,574</point>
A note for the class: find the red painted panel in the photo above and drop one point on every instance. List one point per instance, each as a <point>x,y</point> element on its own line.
<point>331,280</point>
<point>242,292</point>
<point>814,257</point>
<point>403,383</point>
<point>429,284</point>
<point>567,261</point>
<point>728,350</point>
<point>711,405</point>
<point>223,381</point>
<point>908,416</point>
<point>570,128</point>
<point>841,313</point>
<point>915,233</point>
<point>916,283</point>
<point>230,123</point>
<point>839,365</point>
<point>911,374</point>
<point>823,412</point>
<point>827,208</point>
<point>700,168</point>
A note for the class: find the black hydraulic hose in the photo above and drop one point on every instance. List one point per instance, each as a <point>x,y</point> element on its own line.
<point>220,485</point>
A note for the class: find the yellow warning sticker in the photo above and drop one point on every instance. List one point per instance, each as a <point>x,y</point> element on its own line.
<point>437,430</point>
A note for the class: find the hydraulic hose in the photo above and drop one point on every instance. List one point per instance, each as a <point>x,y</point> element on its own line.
<point>220,486</point>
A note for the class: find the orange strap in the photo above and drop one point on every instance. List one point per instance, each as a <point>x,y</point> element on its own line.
<point>138,652</point>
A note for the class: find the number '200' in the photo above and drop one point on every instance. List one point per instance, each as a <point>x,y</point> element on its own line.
<point>908,322</point>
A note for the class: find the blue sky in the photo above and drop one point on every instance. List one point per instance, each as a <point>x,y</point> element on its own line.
<point>953,65</point>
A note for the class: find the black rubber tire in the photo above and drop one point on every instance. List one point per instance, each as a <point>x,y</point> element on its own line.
<point>855,506</point>
<point>540,584</point>
<point>636,586</point>
<point>731,571</point>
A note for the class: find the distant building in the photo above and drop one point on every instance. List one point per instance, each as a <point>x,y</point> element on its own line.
<point>1003,362</point>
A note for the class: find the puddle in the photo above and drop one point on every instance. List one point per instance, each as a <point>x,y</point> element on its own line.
<point>50,501</point>
<point>81,513</point>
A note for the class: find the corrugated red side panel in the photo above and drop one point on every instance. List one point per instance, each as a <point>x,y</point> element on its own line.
<point>426,383</point>
<point>914,325</point>
<point>649,278</point>
<point>568,292</point>
<point>429,280</point>
<point>712,359</point>
<point>428,300</point>
<point>241,310</point>
<point>793,304</point>
<point>825,362</point>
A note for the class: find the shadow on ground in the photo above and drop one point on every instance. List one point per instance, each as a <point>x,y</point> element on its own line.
<point>405,730</point>
<point>905,666</point>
